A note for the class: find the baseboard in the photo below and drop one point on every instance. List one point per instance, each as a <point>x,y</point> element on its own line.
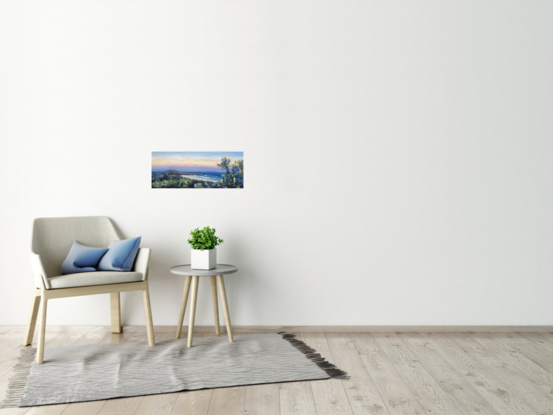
<point>339,329</point>
<point>374,329</point>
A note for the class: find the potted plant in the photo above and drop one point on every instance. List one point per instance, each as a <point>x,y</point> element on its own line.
<point>203,243</point>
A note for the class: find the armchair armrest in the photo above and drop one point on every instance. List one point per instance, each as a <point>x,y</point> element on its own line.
<point>142,261</point>
<point>39,274</point>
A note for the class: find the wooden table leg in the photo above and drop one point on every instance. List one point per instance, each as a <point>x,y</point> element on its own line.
<point>215,304</point>
<point>193,298</point>
<point>183,304</point>
<point>223,293</point>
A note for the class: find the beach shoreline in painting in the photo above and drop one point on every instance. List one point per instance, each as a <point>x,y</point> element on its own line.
<point>202,177</point>
<point>197,170</point>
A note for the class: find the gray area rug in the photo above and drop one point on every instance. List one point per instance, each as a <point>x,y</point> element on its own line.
<point>105,371</point>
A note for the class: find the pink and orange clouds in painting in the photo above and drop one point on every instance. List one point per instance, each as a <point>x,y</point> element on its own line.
<point>191,161</point>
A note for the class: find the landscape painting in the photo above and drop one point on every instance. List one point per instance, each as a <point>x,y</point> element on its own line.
<point>197,170</point>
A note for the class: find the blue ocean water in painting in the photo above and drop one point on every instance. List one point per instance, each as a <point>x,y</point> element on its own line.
<point>210,177</point>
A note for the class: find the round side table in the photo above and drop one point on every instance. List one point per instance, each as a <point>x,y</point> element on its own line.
<point>193,277</point>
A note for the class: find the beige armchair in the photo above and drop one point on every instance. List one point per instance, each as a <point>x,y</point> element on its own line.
<point>51,242</point>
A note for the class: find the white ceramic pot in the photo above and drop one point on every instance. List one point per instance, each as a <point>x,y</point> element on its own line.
<point>206,259</point>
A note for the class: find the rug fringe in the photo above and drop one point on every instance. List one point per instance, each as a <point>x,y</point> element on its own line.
<point>315,357</point>
<point>18,381</point>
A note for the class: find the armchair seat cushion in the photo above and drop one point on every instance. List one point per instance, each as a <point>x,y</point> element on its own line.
<point>93,278</point>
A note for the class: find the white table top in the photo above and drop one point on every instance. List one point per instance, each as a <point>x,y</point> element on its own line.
<point>221,269</point>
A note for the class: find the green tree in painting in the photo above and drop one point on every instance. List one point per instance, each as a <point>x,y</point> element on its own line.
<point>225,164</point>
<point>234,176</point>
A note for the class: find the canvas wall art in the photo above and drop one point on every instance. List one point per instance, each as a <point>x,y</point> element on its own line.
<point>197,170</point>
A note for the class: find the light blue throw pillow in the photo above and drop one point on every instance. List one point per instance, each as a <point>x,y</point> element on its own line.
<point>120,255</point>
<point>82,258</point>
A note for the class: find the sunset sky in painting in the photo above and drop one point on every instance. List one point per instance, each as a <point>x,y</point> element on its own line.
<point>192,161</point>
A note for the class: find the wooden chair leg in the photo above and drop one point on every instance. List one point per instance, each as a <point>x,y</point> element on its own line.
<point>223,293</point>
<point>183,304</point>
<point>115,305</point>
<point>31,324</point>
<point>148,314</point>
<point>215,304</point>
<point>42,330</point>
<point>193,298</point>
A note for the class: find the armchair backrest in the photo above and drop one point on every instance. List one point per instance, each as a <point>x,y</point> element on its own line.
<point>53,237</point>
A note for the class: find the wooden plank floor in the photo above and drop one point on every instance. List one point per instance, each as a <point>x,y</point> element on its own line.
<point>391,373</point>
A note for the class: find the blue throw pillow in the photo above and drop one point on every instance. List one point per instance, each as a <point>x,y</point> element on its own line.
<point>120,255</point>
<point>82,259</point>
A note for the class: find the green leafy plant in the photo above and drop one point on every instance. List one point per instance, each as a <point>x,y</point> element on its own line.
<point>204,238</point>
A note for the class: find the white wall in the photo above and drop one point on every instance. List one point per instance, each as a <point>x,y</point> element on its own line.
<point>399,154</point>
